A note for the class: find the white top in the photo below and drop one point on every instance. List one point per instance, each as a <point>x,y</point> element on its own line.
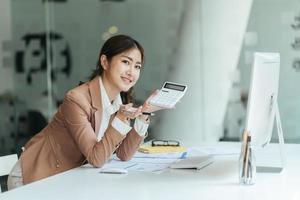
<point>216,181</point>
<point>111,108</point>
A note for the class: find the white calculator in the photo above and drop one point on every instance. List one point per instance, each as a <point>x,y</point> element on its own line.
<point>169,95</point>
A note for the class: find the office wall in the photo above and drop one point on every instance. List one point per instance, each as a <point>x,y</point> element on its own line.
<point>210,46</point>
<point>223,32</point>
<point>185,122</point>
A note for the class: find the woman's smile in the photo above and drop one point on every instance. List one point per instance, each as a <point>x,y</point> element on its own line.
<point>126,80</point>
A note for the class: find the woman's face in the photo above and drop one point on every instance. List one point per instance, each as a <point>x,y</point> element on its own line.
<point>123,71</point>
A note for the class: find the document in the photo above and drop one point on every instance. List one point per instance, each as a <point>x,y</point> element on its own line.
<point>142,164</point>
<point>158,162</point>
<point>149,167</point>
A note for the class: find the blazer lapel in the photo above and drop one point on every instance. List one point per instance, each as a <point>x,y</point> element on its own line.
<point>94,88</point>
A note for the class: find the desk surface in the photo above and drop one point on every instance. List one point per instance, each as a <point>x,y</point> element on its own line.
<point>217,181</point>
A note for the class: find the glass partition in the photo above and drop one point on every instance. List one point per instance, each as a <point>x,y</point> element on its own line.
<point>52,45</point>
<point>49,46</point>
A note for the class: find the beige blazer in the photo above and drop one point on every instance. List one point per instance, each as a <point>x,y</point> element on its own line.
<point>71,137</point>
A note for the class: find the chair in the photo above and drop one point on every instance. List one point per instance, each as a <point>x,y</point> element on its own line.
<point>29,124</point>
<point>6,164</point>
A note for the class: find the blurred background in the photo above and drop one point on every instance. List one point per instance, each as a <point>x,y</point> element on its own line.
<point>48,46</point>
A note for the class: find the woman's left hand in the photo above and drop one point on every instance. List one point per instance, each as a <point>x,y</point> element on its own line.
<point>147,107</point>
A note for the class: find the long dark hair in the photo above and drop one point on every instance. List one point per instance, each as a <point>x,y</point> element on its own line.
<point>113,46</point>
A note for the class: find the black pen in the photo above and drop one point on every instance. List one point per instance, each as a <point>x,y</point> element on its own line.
<point>147,113</point>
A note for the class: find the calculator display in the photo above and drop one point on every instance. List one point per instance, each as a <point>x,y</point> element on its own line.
<point>174,86</point>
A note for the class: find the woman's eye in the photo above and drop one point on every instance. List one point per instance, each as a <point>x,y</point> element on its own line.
<point>126,62</point>
<point>138,66</point>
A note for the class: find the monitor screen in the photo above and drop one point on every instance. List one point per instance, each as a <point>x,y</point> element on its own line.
<point>263,97</point>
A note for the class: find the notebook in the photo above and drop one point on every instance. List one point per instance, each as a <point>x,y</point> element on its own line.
<point>161,149</point>
<point>196,162</point>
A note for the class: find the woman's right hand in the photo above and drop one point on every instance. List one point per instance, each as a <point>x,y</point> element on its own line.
<point>127,112</point>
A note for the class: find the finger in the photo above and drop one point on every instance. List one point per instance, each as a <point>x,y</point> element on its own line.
<point>154,93</point>
<point>122,108</point>
<point>139,111</point>
<point>132,110</point>
<point>146,104</point>
<point>128,105</point>
<point>136,113</point>
<point>127,110</point>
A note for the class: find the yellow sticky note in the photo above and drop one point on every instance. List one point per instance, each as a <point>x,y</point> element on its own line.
<point>161,149</point>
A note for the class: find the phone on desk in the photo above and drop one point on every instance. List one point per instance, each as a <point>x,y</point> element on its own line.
<point>169,95</point>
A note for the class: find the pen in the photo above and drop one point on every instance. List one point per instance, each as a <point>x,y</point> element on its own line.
<point>246,172</point>
<point>244,141</point>
<point>147,113</point>
<point>250,164</point>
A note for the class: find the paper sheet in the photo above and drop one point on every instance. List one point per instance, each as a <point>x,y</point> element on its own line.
<point>212,151</point>
<point>160,155</point>
<point>141,164</point>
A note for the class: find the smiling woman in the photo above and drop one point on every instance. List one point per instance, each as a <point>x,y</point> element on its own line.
<point>91,123</point>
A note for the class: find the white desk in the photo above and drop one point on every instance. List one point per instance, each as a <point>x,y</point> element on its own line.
<point>217,181</point>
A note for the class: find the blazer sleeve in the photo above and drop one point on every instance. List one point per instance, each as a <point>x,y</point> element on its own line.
<point>129,145</point>
<point>77,115</point>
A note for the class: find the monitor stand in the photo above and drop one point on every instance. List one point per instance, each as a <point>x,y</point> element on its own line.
<point>269,169</point>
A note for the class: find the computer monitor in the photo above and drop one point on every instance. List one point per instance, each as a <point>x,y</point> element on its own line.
<point>263,94</point>
<point>262,106</point>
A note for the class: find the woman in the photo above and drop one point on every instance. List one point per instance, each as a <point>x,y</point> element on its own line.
<point>92,123</point>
